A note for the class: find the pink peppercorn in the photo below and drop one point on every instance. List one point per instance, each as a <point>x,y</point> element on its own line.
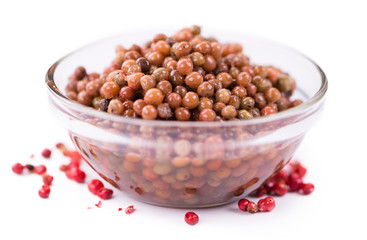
<point>266,205</point>
<point>46,153</point>
<point>94,186</point>
<point>105,193</point>
<point>41,169</point>
<point>252,207</point>
<point>17,168</point>
<point>191,218</point>
<point>76,174</point>
<point>307,188</point>
<point>47,179</point>
<point>242,204</point>
<point>44,192</point>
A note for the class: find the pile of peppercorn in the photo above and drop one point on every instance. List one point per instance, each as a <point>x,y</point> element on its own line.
<point>184,77</point>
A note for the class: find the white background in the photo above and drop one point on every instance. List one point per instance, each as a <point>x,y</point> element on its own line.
<point>34,34</point>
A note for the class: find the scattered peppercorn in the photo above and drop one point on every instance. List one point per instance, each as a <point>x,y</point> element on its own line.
<point>191,218</point>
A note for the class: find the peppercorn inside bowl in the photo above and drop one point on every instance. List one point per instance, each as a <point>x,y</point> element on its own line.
<point>183,120</point>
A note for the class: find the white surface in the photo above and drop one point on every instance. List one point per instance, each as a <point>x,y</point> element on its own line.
<point>34,34</point>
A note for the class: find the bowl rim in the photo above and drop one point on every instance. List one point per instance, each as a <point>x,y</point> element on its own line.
<point>289,113</point>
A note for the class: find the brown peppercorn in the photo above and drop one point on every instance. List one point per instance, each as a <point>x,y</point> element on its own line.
<point>244,114</point>
<point>216,50</point>
<point>84,98</point>
<point>205,103</point>
<point>225,78</point>
<point>207,114</point>
<point>138,106</point>
<point>126,93</point>
<point>190,100</point>
<point>143,63</point>
<point>243,79</point>
<point>134,69</point>
<point>147,82</point>
<point>176,78</point>
<point>229,112</point>
<point>115,107</point>
<point>210,63</point>
<point>260,100</point>
<point>127,64</point>
<point>251,90</point>
<point>215,83</point>
<point>182,114</point>
<point>80,86</point>
<point>209,76</point>
<point>195,29</point>
<point>153,96</point>
<point>103,104</point>
<point>181,90</point>
<point>165,86</point>
<point>283,103</point>
<point>128,104</point>
<point>159,36</point>
<point>218,106</point>
<point>117,76</point>
<point>155,58</point>
<point>174,100</point>
<point>160,74</point>
<point>184,34</point>
<point>92,88</point>
<point>247,103</point>
<point>203,47</point>
<point>255,112</point>
<point>162,47</point>
<point>110,90</point>
<point>193,80</point>
<point>239,91</point>
<point>182,49</point>
<point>234,101</point>
<point>72,95</point>
<point>133,80</point>
<point>205,90</point>
<point>261,84</point>
<point>272,95</point>
<point>149,112</point>
<point>131,55</point>
<point>296,102</point>
<point>185,66</point>
<point>80,73</point>
<point>164,111</point>
<point>197,58</point>
<point>129,113</point>
<point>223,95</point>
<point>171,65</point>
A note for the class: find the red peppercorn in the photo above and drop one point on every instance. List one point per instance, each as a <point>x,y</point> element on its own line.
<point>307,188</point>
<point>46,153</point>
<point>94,186</point>
<point>191,218</point>
<point>47,179</point>
<point>242,204</point>
<point>294,182</point>
<point>280,188</point>
<point>129,209</point>
<point>298,168</point>
<point>41,169</point>
<point>44,191</point>
<point>266,205</point>
<point>17,168</point>
<point>76,174</point>
<point>105,193</point>
<point>75,158</point>
<point>252,207</point>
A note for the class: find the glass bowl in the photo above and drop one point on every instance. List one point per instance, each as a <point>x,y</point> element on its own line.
<point>188,164</point>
